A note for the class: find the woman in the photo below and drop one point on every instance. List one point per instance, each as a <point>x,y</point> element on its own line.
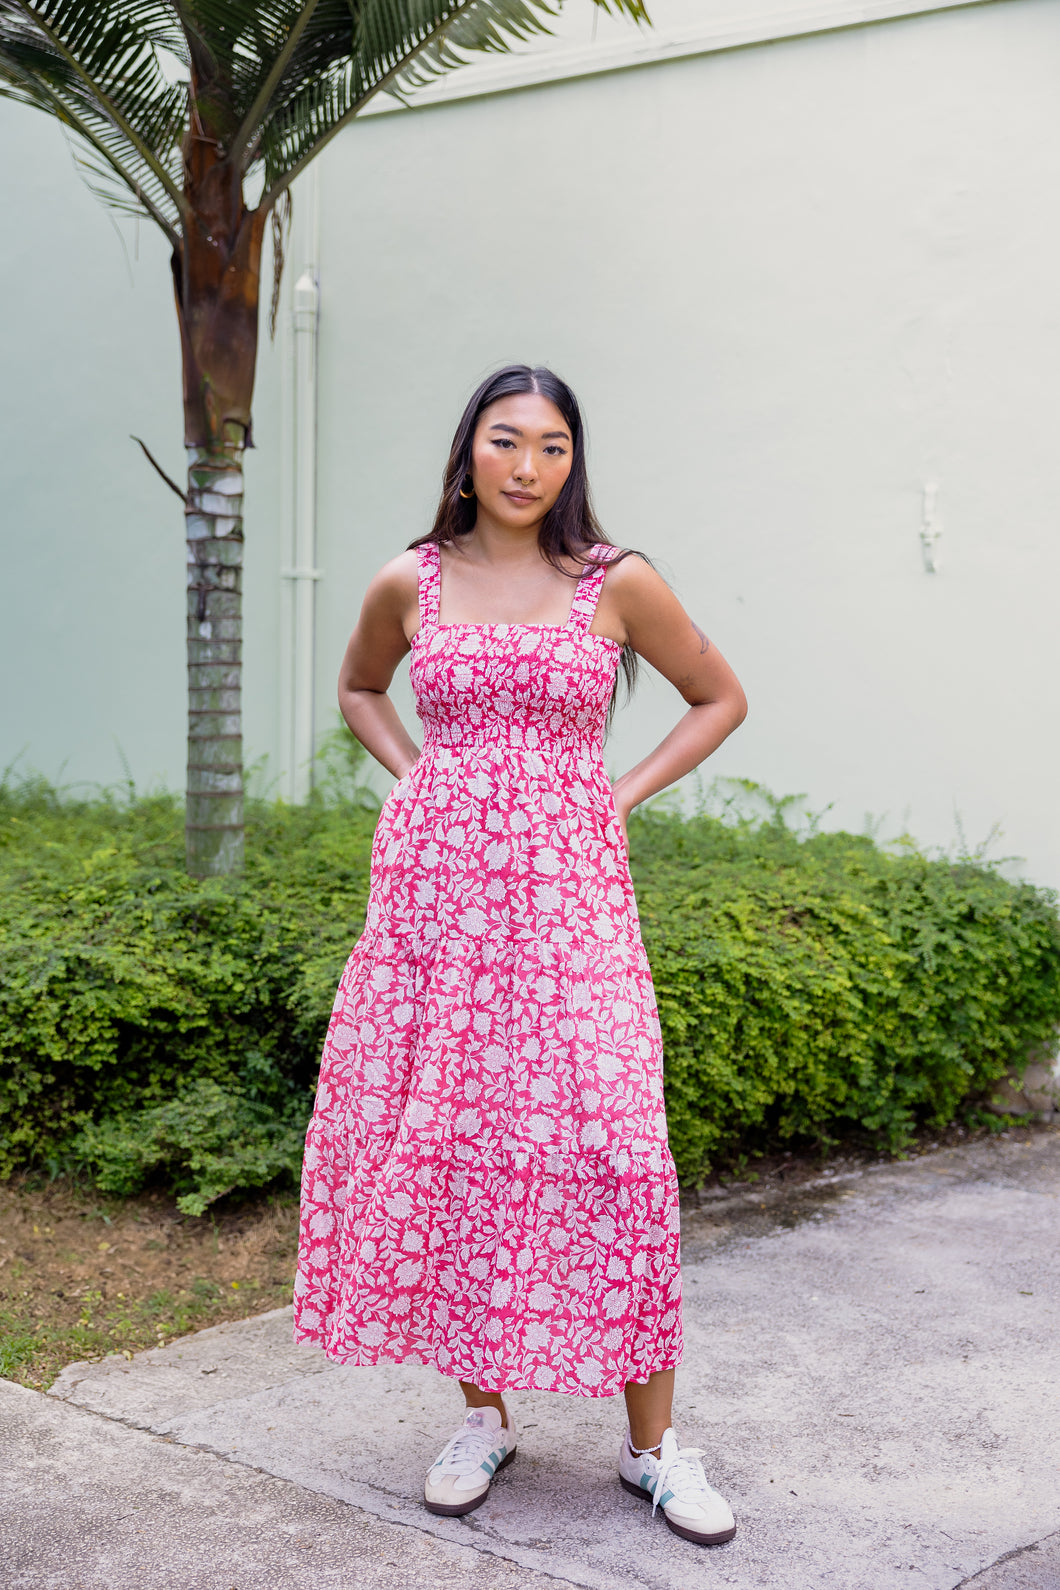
<point>487,1183</point>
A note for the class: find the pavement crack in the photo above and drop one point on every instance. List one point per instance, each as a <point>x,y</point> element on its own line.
<point>1007,1556</point>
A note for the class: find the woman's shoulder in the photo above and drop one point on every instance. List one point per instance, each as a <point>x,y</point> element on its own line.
<point>397,583</point>
<point>629,570</point>
<point>634,593</point>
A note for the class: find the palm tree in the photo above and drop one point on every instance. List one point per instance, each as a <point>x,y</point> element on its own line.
<point>200,114</point>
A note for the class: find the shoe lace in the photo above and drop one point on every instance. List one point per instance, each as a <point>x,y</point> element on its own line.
<point>681,1473</point>
<point>466,1451</point>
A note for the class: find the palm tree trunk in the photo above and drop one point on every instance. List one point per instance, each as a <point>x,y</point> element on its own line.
<point>216,279</point>
<point>214,816</point>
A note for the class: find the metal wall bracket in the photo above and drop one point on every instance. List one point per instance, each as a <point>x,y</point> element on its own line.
<point>930,530</point>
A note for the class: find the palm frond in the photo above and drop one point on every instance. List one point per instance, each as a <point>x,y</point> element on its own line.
<point>274,80</point>
<point>294,71</point>
<point>274,76</point>
<point>101,57</point>
<point>102,76</point>
<point>280,217</point>
<point>395,45</point>
<point>480,28</point>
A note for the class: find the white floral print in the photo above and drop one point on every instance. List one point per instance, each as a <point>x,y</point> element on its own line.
<point>487,1185</point>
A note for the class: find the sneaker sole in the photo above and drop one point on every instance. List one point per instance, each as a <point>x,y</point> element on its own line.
<point>458,1509</point>
<point>678,1529</point>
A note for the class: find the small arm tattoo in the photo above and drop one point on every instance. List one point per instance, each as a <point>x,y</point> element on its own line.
<point>704,643</point>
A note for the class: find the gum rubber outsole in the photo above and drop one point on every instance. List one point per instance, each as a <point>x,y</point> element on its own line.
<point>679,1529</point>
<point>458,1509</point>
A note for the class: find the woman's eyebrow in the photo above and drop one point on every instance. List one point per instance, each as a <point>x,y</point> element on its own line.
<point>546,436</point>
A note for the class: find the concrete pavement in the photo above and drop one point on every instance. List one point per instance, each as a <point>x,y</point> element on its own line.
<point>871,1367</point>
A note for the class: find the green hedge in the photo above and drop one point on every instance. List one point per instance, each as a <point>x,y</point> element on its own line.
<point>810,988</point>
<point>823,988</point>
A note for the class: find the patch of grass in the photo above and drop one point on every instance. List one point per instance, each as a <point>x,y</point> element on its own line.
<point>78,1281</point>
<point>33,1355</point>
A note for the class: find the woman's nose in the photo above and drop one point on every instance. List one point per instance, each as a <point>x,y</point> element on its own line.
<point>524,469</point>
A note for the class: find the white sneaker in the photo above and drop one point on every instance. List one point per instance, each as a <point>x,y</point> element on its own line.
<point>675,1482</point>
<point>460,1479</point>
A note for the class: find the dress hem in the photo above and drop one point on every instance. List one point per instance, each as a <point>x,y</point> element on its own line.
<point>371,1357</point>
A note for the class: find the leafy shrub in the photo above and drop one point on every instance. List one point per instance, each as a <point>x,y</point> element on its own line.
<point>810,987</point>
<point>125,986</point>
<point>819,987</point>
<point>212,1139</point>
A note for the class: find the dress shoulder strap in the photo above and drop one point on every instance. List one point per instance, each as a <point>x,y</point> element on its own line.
<point>591,583</point>
<point>430,583</point>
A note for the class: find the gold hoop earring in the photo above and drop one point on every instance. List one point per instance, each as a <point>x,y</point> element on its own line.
<point>467,495</point>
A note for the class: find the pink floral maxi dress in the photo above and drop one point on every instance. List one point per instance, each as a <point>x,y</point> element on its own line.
<point>487,1184</point>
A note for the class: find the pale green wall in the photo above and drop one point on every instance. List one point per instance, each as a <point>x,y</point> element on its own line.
<point>790,283</point>
<point>92,643</point>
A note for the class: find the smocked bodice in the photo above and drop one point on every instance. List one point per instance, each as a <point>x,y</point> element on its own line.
<point>506,825</point>
<point>533,687</point>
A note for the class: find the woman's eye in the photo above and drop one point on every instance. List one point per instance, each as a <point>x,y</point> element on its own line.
<point>556,450</point>
<point>503,441</point>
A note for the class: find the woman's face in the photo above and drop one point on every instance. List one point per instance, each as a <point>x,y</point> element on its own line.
<point>520,459</point>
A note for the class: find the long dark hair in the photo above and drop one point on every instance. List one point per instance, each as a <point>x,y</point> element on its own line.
<point>570,527</point>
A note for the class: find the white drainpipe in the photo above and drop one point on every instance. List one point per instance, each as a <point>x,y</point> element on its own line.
<point>300,573</point>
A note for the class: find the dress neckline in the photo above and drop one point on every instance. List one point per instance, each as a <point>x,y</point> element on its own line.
<point>583,603</point>
<point>560,629</point>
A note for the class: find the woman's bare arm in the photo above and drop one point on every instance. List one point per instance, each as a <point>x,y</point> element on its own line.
<point>641,609</point>
<point>382,637</point>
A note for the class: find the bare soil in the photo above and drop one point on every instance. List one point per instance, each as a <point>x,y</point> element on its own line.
<point>83,1275</point>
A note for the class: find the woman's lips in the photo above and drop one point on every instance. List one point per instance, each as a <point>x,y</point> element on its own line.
<point>521,498</point>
